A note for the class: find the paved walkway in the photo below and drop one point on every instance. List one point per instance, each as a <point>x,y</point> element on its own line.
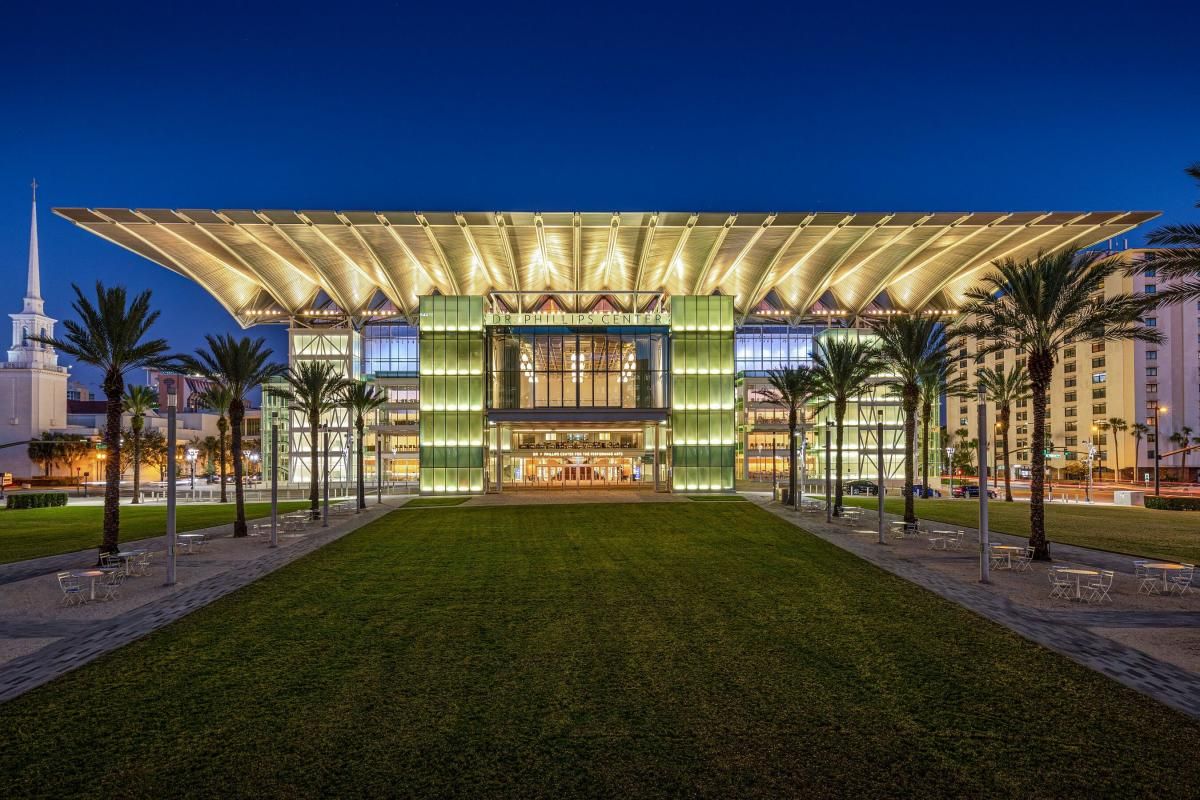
<point>80,641</point>
<point>1065,632</point>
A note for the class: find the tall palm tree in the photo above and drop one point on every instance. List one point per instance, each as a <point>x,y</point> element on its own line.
<point>240,366</point>
<point>137,401</point>
<point>1185,440</point>
<point>912,347</point>
<point>210,446</point>
<point>1180,439</point>
<point>1139,431</point>
<point>1180,260</point>
<point>1035,307</point>
<point>1117,426</point>
<point>315,388</point>
<point>843,366</point>
<point>111,335</point>
<point>1004,389</point>
<point>361,399</point>
<point>217,397</point>
<point>790,388</point>
<point>935,384</point>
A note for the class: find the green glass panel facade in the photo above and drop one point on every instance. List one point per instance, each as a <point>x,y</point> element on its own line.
<point>451,341</point>
<point>703,435</point>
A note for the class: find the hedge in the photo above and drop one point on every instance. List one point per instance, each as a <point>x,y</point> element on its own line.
<point>1173,503</point>
<point>37,500</point>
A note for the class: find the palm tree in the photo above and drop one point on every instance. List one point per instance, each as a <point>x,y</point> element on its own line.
<point>1117,426</point>
<point>1180,439</point>
<point>361,399</point>
<point>935,384</point>
<point>1185,440</point>
<point>912,347</point>
<point>110,335</point>
<point>1180,261</point>
<point>1036,306</point>
<point>1004,389</point>
<point>239,366</point>
<point>137,401</point>
<point>315,387</point>
<point>843,367</point>
<point>217,397</point>
<point>791,388</point>
<point>1138,431</point>
<point>211,446</point>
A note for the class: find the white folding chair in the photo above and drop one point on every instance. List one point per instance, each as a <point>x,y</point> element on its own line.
<point>1148,582</point>
<point>1023,561</point>
<point>72,589</point>
<point>1182,581</point>
<point>1059,585</point>
<point>112,584</point>
<point>1100,585</point>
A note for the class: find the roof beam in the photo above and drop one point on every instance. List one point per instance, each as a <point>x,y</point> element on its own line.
<point>823,284</point>
<point>641,266</point>
<point>610,250</point>
<point>916,251</point>
<point>506,246</point>
<point>800,262</point>
<point>396,294</point>
<point>346,257</point>
<point>326,281</point>
<point>403,245</point>
<point>746,248</point>
<point>712,253</point>
<point>438,251</point>
<point>465,227</point>
<point>311,276</point>
<point>760,286</point>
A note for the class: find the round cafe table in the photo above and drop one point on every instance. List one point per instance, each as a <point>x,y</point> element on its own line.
<point>1078,573</point>
<point>98,572</point>
<point>1007,551</point>
<point>1165,569</point>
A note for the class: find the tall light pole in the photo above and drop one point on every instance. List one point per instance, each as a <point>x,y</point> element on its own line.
<point>950,467</point>
<point>325,467</point>
<point>171,400</point>
<point>192,454</point>
<point>1091,455</point>
<point>379,461</point>
<point>274,479</point>
<point>803,459</point>
<point>984,544</point>
<point>879,455</point>
<point>828,463</point>
<point>1157,447</point>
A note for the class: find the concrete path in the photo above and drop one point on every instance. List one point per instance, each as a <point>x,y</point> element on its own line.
<point>1064,632</point>
<point>80,641</point>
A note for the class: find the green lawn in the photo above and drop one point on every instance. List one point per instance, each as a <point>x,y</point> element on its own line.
<point>1173,535</point>
<point>46,531</point>
<point>593,650</point>
<point>433,502</point>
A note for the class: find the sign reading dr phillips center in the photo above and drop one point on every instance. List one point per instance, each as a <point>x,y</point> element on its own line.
<point>602,318</point>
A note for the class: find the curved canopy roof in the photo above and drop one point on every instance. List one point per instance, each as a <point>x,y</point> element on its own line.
<point>272,265</point>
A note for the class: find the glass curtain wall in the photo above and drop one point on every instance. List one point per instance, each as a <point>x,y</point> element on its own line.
<point>451,392</point>
<point>702,393</point>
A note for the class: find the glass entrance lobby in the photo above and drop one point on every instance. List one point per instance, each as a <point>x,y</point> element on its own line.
<point>577,457</point>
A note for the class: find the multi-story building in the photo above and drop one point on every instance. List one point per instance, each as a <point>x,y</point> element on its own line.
<point>580,349</point>
<point>1096,382</point>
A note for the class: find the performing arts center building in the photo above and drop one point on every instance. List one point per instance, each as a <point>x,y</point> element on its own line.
<point>580,350</point>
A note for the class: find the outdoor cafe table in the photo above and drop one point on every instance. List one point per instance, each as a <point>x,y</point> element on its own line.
<point>127,556</point>
<point>1007,551</point>
<point>190,539</point>
<point>1165,569</point>
<point>98,572</point>
<point>1078,573</point>
<point>940,538</point>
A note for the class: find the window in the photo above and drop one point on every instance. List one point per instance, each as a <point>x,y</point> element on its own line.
<point>1152,406</point>
<point>1071,441</point>
<point>1097,362</point>
<point>1150,438</point>
<point>1022,416</point>
<point>1069,352</point>
<point>1022,403</point>
<point>962,409</point>
<point>1069,397</point>
<point>1151,372</point>
<point>962,365</point>
<point>1072,427</point>
<point>1152,355</point>
<point>1020,362</point>
<point>1069,382</point>
<point>1099,377</point>
<point>1022,430</point>
<point>1069,411</point>
<point>1069,367</point>
<point>1099,408</point>
<point>1150,288</point>
<point>1151,273</point>
<point>1102,439</point>
<point>962,422</point>
<point>1151,388</point>
<point>1097,347</point>
<point>1151,322</point>
<point>1098,393</point>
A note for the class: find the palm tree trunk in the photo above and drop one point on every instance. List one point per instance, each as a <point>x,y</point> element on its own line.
<point>911,399</point>
<point>839,411</point>
<point>221,462</point>
<point>314,479</point>
<point>362,488</point>
<point>1137,446</point>
<point>137,467</point>
<point>925,412</point>
<point>1116,457</point>
<point>236,412</point>
<point>1005,415</point>
<point>1041,366</point>
<point>114,387</point>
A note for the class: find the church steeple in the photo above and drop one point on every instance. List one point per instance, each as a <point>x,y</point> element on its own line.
<point>33,282</point>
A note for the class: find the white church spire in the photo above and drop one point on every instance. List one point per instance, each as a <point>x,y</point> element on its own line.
<point>33,284</point>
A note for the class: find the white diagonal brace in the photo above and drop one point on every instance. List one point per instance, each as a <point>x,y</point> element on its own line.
<point>506,246</point>
<point>334,292</point>
<point>760,286</point>
<point>403,245</point>
<point>465,227</point>
<point>746,248</point>
<point>438,251</point>
<point>831,273</point>
<point>887,279</point>
<point>712,253</point>
<point>651,231</point>
<point>396,294</point>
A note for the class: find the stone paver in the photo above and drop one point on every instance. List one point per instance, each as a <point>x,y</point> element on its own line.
<point>1067,633</point>
<point>84,640</point>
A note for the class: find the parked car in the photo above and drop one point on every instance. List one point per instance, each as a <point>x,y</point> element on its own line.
<point>971,490</point>
<point>862,488</point>
<point>922,491</point>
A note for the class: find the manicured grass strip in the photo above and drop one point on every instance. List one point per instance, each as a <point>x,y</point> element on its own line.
<point>716,498</point>
<point>428,502</point>
<point>664,649</point>
<point>1171,535</point>
<point>37,532</point>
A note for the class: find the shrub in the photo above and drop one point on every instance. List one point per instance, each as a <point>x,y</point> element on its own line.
<point>37,500</point>
<point>1173,503</point>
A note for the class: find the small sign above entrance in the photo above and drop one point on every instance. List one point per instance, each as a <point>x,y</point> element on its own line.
<point>600,318</point>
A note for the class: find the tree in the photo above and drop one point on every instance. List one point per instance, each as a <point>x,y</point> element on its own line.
<point>843,366</point>
<point>790,388</point>
<point>912,347</point>
<point>1179,261</point>
<point>1180,439</point>
<point>239,366</point>
<point>154,451</point>
<point>218,398</point>
<point>1004,389</point>
<point>1036,306</point>
<point>361,399</point>
<point>934,385</point>
<point>315,388</point>
<point>111,335</point>
<point>1118,426</point>
<point>137,401</point>
<point>964,451</point>
<point>210,446</point>
<point>1074,471</point>
<point>57,448</point>
<point>1138,431</point>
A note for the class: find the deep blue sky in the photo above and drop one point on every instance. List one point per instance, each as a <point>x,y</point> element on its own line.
<point>737,106</point>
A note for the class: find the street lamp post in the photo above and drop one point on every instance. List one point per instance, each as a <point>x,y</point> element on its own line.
<point>950,467</point>
<point>171,400</point>
<point>984,544</point>
<point>1091,456</point>
<point>274,479</point>
<point>325,468</point>
<point>192,454</point>
<point>828,463</point>
<point>1157,448</point>
<point>879,455</point>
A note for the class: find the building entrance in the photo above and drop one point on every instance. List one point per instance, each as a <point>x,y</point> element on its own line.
<point>583,458</point>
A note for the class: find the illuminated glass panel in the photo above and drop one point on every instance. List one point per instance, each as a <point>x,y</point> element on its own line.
<point>451,395</point>
<point>702,394</point>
